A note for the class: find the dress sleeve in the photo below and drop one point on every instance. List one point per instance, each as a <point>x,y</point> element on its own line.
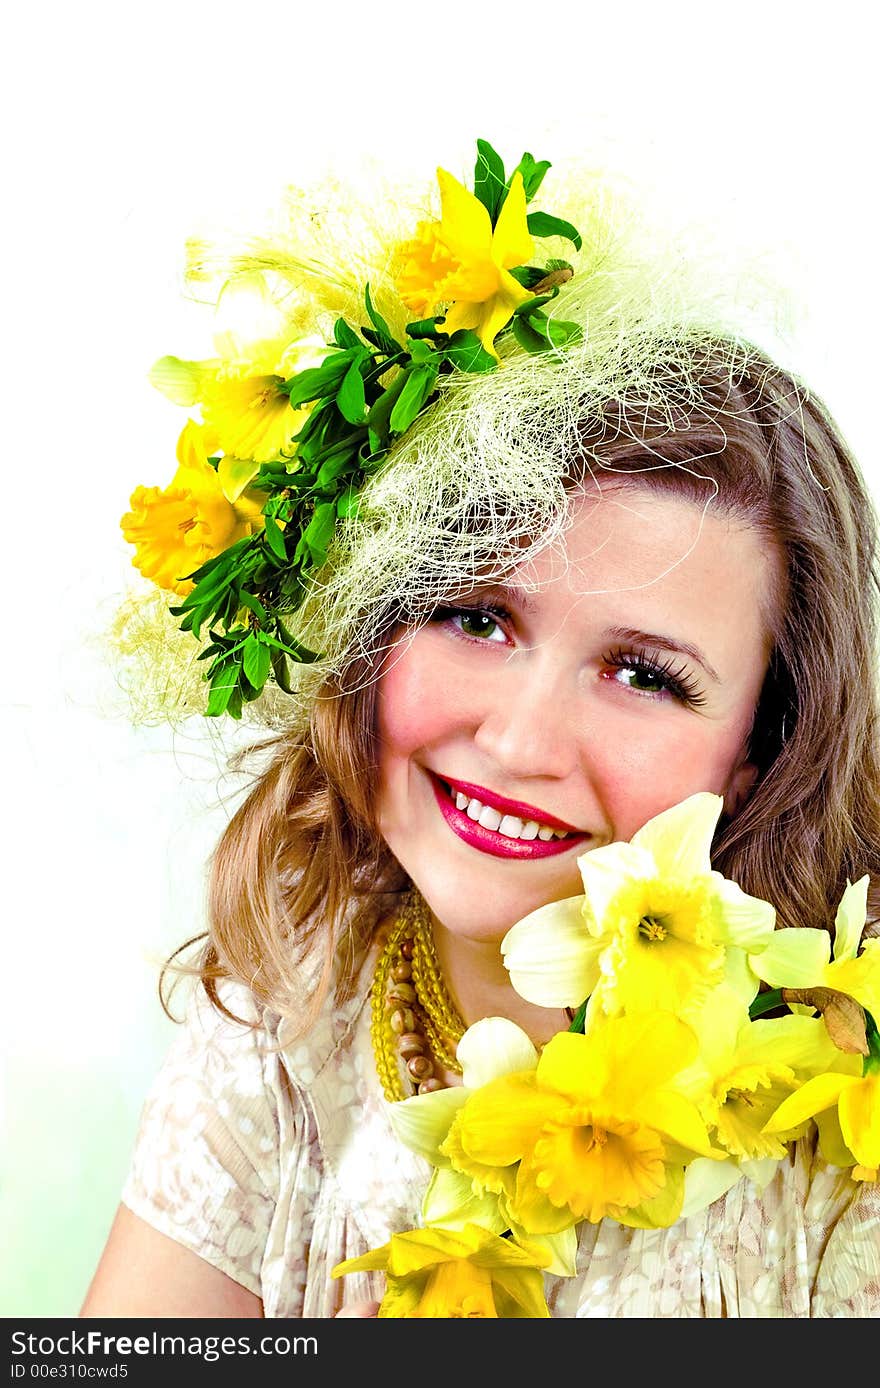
<point>206,1160</point>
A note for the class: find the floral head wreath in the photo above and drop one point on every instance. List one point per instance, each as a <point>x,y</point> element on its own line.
<point>292,429</point>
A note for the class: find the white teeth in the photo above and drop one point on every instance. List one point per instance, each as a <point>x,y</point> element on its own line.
<point>510,825</point>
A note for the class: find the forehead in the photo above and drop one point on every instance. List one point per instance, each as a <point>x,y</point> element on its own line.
<point>631,549</point>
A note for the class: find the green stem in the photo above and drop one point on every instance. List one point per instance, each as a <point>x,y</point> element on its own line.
<point>765,1002</point>
<point>577,1021</point>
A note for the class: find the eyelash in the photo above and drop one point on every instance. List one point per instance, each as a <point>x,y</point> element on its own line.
<point>674,679</point>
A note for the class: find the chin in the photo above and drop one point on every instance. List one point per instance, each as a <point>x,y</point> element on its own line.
<point>483,907</point>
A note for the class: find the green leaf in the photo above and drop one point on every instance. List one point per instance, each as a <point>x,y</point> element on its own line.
<point>280,671</point>
<point>256,661</point>
<point>223,686</point>
<point>526,336</point>
<point>532,174</point>
<point>318,533</point>
<point>319,381</point>
<point>348,504</point>
<point>380,413</point>
<point>334,466</point>
<point>420,381</point>
<point>529,305</point>
<point>386,340</point>
<point>254,605</point>
<point>490,182</point>
<point>350,396</point>
<point>425,327</point>
<point>466,351</point>
<point>275,539</point>
<point>542,224</point>
<point>345,336</point>
<point>528,275</point>
<point>550,332</point>
<point>295,648</point>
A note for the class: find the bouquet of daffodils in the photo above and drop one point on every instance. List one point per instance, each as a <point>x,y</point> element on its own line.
<point>672,1084</point>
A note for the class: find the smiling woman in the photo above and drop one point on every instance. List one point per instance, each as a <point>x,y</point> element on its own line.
<point>597,687</point>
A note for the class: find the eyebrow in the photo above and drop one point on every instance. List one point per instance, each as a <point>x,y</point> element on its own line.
<point>665,643</point>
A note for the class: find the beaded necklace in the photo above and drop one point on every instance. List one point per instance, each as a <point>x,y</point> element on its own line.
<point>413,1016</point>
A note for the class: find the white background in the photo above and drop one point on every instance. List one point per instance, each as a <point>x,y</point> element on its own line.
<point>125,130</point>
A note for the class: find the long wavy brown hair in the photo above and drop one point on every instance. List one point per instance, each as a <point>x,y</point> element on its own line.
<point>296,875</point>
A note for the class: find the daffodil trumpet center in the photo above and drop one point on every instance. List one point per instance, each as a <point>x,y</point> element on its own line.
<point>652,928</point>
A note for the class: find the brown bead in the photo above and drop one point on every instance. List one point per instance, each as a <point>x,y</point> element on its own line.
<point>429,1086</point>
<point>420,1067</point>
<point>401,992</point>
<point>401,972</point>
<point>410,1044</point>
<point>407,949</point>
<point>397,1021</point>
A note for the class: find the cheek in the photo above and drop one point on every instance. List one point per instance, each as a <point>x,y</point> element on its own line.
<point>642,777</point>
<point>419,701</point>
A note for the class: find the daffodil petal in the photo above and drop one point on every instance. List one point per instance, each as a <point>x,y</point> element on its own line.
<point>646,1050</point>
<point>235,474</point>
<point>490,1048</point>
<point>859,977</point>
<point>450,1202</point>
<point>832,1147</point>
<point>551,957</point>
<point>748,920</point>
<point>859,1111</point>
<point>500,1120</point>
<point>662,1210</point>
<point>801,1042</point>
<point>511,243</point>
<point>560,1248</point>
<point>466,226</point>
<point>181,381</point>
<point>604,870</point>
<point>423,1121</point>
<point>817,1094</point>
<point>705,1181</point>
<point>739,976</point>
<point>850,919</point>
<point>793,958</point>
<point>680,839</point>
<point>677,1118</point>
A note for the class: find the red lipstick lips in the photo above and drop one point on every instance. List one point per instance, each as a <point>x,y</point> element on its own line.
<point>488,840</point>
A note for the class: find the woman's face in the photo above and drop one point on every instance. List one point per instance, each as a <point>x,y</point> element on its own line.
<point>626,680</point>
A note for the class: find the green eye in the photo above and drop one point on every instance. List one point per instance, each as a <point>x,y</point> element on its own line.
<point>478,624</point>
<point>644,680</point>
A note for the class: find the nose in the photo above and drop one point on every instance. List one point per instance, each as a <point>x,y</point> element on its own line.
<point>529,720</point>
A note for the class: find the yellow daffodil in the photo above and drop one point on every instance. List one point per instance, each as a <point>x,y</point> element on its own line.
<point>805,958</point>
<point>462,1191</point>
<point>461,261</point>
<point>595,1129</point>
<point>656,928</point>
<point>746,1069</point>
<point>466,1274</point>
<point>177,529</point>
<point>847,1113</point>
<point>239,390</point>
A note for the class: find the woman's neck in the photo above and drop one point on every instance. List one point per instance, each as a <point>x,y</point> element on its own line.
<point>479,985</point>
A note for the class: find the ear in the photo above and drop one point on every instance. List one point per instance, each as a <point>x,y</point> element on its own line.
<point>739,788</point>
